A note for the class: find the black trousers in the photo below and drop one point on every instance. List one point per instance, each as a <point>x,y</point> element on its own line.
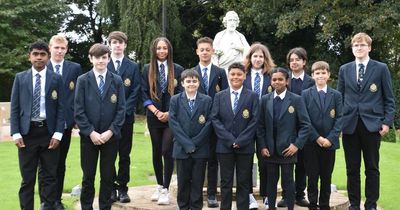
<point>319,164</point>
<point>89,156</point>
<point>162,145</point>
<point>64,148</point>
<point>366,143</point>
<point>228,164</point>
<point>124,150</point>
<point>212,166</point>
<point>35,151</point>
<point>300,178</point>
<point>262,173</point>
<point>190,173</point>
<point>287,183</point>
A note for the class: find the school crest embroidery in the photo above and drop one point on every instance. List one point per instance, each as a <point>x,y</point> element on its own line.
<point>71,85</point>
<point>127,82</point>
<point>291,109</point>
<point>113,98</point>
<point>373,88</point>
<point>332,113</point>
<point>202,119</point>
<point>246,113</point>
<point>54,95</point>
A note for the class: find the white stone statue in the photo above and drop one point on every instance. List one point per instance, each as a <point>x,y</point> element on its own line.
<point>230,45</point>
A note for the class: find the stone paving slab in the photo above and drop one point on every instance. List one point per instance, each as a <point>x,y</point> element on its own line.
<point>140,197</point>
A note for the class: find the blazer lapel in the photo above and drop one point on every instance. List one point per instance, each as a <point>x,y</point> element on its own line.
<point>328,98</point>
<point>92,80</point>
<point>28,80</point>
<point>242,98</point>
<point>65,72</point>
<point>213,76</point>
<point>184,103</point>
<point>315,97</point>
<point>109,78</point>
<point>266,84</point>
<point>351,73</point>
<point>270,106</point>
<point>123,67</point>
<point>367,74</point>
<point>49,78</point>
<point>285,104</point>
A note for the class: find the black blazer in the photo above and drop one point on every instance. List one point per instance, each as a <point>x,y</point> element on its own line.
<point>70,73</point>
<point>22,99</point>
<point>94,112</point>
<point>239,128</point>
<point>373,103</point>
<point>191,129</point>
<point>293,125</point>
<point>265,89</point>
<point>218,80</point>
<point>326,122</point>
<point>130,74</point>
<point>163,103</point>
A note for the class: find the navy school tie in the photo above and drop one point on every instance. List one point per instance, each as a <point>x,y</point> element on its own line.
<point>36,98</point>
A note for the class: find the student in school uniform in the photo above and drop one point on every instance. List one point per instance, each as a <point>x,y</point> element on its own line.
<point>70,71</point>
<point>159,83</point>
<point>324,106</point>
<point>212,80</point>
<point>368,112</point>
<point>299,81</point>
<point>37,125</point>
<point>189,120</point>
<point>234,116</point>
<point>258,64</point>
<point>99,114</point>
<point>130,75</point>
<point>283,130</point>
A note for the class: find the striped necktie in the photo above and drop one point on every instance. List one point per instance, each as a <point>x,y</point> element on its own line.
<point>101,84</point>
<point>36,98</point>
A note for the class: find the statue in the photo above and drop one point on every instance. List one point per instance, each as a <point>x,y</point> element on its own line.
<point>230,45</point>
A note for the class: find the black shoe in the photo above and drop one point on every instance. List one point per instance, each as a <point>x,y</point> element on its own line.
<point>114,196</point>
<point>124,197</point>
<point>212,201</point>
<point>58,206</point>
<point>302,202</point>
<point>282,203</point>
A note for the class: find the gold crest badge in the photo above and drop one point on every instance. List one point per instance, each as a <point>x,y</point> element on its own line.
<point>202,119</point>
<point>217,89</point>
<point>113,98</point>
<point>373,88</point>
<point>127,82</point>
<point>332,113</point>
<point>54,95</point>
<point>175,82</point>
<point>291,109</point>
<point>71,85</point>
<point>246,114</point>
<point>269,89</point>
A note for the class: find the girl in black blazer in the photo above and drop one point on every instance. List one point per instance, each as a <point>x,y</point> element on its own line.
<point>283,129</point>
<point>159,83</point>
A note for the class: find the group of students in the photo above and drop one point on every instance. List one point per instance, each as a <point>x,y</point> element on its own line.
<point>199,120</point>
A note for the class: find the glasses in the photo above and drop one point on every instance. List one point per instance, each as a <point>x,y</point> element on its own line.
<point>359,46</point>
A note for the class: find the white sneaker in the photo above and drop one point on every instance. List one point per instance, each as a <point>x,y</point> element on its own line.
<point>164,197</point>
<point>252,202</point>
<point>266,205</point>
<point>156,193</point>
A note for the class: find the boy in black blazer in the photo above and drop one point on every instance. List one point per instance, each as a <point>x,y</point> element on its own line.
<point>99,114</point>
<point>368,112</point>
<point>234,117</point>
<point>37,125</point>
<point>212,80</point>
<point>324,106</point>
<point>189,121</point>
<point>130,75</point>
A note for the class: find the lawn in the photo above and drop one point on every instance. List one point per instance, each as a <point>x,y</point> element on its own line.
<point>141,170</point>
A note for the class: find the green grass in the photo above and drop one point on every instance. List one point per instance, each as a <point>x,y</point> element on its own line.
<point>141,170</point>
